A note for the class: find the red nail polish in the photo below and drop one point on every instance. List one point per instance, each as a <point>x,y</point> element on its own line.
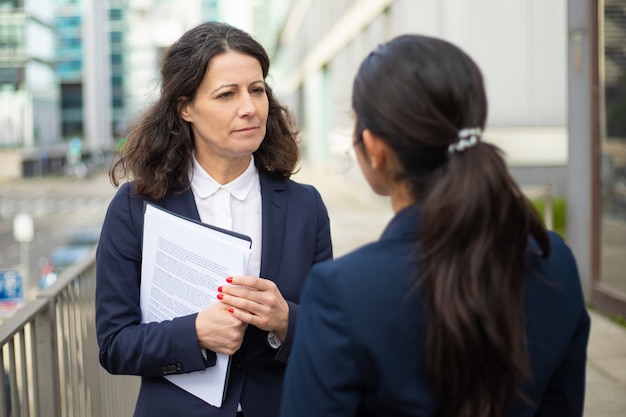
<point>229,279</point>
<point>220,296</point>
<point>231,310</point>
<point>219,289</point>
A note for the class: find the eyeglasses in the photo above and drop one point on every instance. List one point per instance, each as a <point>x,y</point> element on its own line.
<point>349,156</point>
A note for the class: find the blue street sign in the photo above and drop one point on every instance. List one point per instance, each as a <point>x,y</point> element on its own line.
<point>11,292</point>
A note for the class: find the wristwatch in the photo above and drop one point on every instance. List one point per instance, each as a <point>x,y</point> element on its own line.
<point>273,340</point>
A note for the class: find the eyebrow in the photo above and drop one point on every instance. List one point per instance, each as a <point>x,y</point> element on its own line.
<point>223,86</point>
<point>235,85</point>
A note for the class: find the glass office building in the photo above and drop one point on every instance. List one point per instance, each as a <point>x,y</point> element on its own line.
<point>69,64</point>
<point>29,94</point>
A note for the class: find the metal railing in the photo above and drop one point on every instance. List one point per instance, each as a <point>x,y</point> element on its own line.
<point>49,354</point>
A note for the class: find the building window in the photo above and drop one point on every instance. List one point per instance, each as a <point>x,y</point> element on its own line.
<point>11,36</point>
<point>116,14</point>
<point>116,37</point>
<point>67,21</point>
<point>613,147</point>
<point>116,59</point>
<point>116,81</point>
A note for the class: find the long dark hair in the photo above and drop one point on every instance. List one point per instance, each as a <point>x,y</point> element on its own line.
<point>159,148</point>
<point>417,93</point>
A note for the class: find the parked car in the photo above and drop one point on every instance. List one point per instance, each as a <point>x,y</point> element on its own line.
<point>79,245</point>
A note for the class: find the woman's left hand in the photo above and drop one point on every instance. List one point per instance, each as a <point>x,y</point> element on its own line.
<point>257,301</point>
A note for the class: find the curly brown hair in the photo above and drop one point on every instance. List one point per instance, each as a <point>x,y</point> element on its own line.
<point>159,147</point>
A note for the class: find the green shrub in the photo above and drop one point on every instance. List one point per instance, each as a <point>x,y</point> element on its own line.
<point>559,213</point>
<point>615,318</point>
<point>619,319</point>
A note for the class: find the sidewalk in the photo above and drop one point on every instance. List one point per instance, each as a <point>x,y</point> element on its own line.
<point>358,216</point>
<point>606,369</point>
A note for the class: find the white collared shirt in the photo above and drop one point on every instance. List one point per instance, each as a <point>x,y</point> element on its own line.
<point>234,206</point>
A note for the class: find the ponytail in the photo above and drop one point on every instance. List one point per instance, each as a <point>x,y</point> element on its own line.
<point>475,227</point>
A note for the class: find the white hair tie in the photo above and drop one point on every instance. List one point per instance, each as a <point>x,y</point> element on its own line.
<point>468,137</point>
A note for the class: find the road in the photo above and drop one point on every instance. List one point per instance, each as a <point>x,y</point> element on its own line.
<point>59,207</point>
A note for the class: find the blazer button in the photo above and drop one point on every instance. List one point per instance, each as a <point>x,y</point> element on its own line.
<point>237,368</point>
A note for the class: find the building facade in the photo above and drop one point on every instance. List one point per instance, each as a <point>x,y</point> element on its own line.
<point>153,25</point>
<point>84,69</point>
<point>69,66</point>
<point>520,47</point>
<point>555,78</point>
<point>29,94</point>
<point>70,62</point>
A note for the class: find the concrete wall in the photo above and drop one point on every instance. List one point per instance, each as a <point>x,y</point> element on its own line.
<point>10,164</point>
<point>579,196</point>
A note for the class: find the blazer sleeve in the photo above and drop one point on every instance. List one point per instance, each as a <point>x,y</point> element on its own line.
<point>565,393</point>
<point>322,377</point>
<point>321,250</point>
<point>126,345</point>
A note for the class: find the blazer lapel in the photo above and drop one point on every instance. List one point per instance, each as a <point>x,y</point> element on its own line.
<point>274,206</point>
<point>182,204</point>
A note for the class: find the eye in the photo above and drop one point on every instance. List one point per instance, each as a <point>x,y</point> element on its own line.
<point>225,95</point>
<point>258,91</point>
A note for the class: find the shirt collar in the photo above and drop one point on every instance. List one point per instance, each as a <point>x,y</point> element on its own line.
<point>205,186</point>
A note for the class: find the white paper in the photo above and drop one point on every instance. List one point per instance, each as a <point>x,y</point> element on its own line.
<point>183,265</point>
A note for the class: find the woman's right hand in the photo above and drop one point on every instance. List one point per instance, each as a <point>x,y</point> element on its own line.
<point>218,330</point>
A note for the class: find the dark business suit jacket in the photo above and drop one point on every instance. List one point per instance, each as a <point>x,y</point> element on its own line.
<point>296,235</point>
<point>359,344</point>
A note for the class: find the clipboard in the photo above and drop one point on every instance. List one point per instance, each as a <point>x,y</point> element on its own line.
<point>183,263</point>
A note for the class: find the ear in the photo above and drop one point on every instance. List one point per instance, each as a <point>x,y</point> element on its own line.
<point>376,148</point>
<point>183,104</point>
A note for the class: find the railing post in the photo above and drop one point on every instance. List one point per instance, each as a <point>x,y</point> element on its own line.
<point>48,393</point>
<point>4,399</point>
<point>91,359</point>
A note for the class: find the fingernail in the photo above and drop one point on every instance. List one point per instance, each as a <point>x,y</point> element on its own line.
<point>231,310</point>
<point>219,289</point>
<point>220,296</point>
<point>229,279</point>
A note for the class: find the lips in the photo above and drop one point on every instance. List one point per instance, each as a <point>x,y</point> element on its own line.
<point>247,129</point>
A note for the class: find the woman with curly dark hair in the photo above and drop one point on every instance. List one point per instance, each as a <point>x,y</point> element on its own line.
<point>466,306</point>
<point>216,147</point>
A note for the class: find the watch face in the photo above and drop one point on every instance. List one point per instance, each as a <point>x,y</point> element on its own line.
<point>273,340</point>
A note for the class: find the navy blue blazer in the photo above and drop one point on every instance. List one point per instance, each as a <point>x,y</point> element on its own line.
<point>359,343</point>
<point>296,235</point>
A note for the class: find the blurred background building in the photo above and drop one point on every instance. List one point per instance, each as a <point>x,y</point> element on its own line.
<point>519,45</point>
<point>29,93</point>
<point>554,72</point>
<point>555,76</point>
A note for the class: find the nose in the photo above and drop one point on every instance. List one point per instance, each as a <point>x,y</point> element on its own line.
<point>247,106</point>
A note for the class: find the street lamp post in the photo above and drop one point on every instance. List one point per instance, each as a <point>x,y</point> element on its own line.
<point>23,232</point>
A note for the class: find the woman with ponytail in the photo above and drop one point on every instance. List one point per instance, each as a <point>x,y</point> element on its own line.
<point>466,306</point>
